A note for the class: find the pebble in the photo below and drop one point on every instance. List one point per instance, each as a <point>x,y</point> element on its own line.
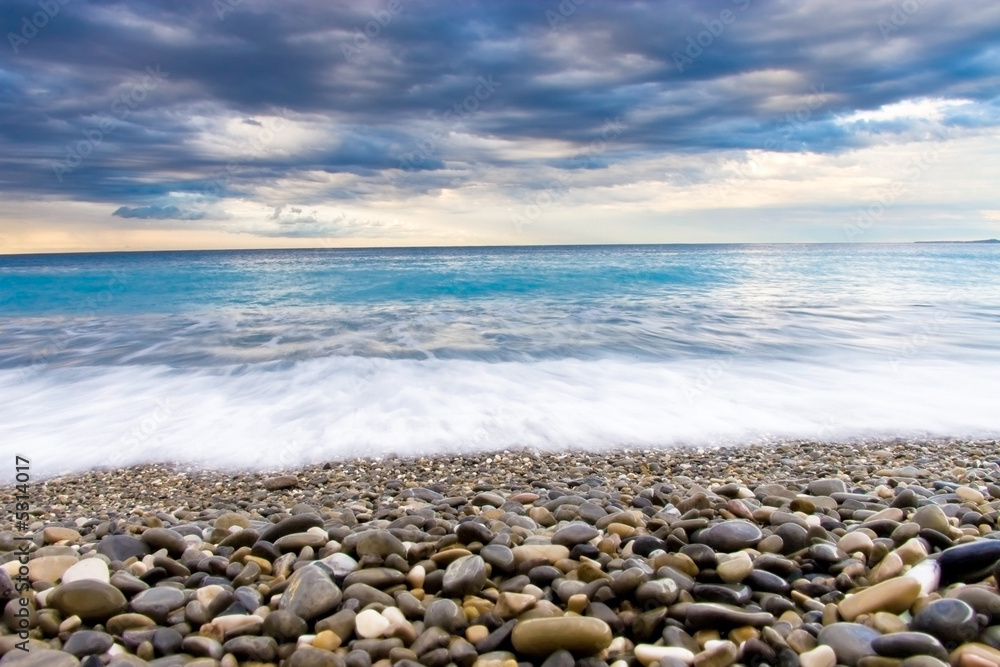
<point>257,649</point>
<point>284,626</point>
<point>93,569</point>
<point>906,644</point>
<point>731,535</point>
<point>821,656</point>
<point>932,517</point>
<point>122,547</point>
<point>444,613</point>
<point>464,576</point>
<point>380,544</point>
<point>370,624</point>
<point>310,594</point>
<point>551,553</point>
<point>865,554</point>
<point>850,641</point>
<point>88,642</point>
<point>968,562</point>
<point>826,487</point>
<point>714,615</point>
<point>735,570</point>
<point>649,654</point>
<point>573,533</point>
<point>948,619</point>
<point>894,596</point>
<point>39,658</point>
<point>156,603</point>
<point>164,538</point>
<point>90,600</point>
<point>577,634</point>
<point>281,482</point>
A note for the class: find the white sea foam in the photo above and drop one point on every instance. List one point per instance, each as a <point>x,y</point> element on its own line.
<point>279,414</point>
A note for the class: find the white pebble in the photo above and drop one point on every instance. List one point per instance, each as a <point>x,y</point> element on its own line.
<point>93,569</point>
<point>649,654</point>
<point>370,624</point>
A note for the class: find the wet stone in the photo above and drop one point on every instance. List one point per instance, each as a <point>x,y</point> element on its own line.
<point>122,547</point>
<point>258,649</point>
<point>560,658</point>
<point>444,613</point>
<point>499,556</point>
<point>905,644</point>
<point>310,594</point>
<point>731,535</point>
<point>284,626</point>
<point>573,533</point>
<point>157,602</point>
<point>968,562</point>
<point>167,641</point>
<point>88,599</point>
<point>576,634</point>
<point>713,615</point>
<point>644,545</point>
<point>298,523</point>
<point>164,538</point>
<point>366,595</point>
<point>849,641</point>
<point>377,577</point>
<point>280,482</point>
<point>473,531</point>
<point>380,543</point>
<point>464,576</point>
<point>826,487</point>
<point>948,619</point>
<point>738,594</point>
<point>39,658</point>
<point>88,642</point>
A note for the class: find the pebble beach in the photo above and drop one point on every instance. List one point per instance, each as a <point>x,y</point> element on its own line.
<point>866,553</point>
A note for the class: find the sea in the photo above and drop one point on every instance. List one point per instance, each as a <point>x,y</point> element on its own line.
<point>270,359</point>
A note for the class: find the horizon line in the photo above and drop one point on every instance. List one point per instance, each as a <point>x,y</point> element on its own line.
<point>496,245</point>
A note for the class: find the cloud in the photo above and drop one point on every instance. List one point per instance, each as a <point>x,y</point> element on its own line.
<point>293,222</point>
<point>154,212</point>
<point>452,104</point>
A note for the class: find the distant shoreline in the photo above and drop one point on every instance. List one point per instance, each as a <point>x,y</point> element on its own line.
<point>981,241</point>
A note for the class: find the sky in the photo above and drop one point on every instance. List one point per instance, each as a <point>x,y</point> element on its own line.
<point>243,123</point>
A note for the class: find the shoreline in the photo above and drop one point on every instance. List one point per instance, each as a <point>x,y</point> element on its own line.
<point>936,456</point>
<point>789,553</point>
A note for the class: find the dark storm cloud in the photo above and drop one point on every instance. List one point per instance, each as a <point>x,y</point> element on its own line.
<point>681,76</point>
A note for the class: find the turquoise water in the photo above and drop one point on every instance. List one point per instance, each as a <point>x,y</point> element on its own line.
<point>270,358</point>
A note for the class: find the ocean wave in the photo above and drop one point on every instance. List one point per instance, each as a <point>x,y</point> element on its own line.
<point>278,414</point>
